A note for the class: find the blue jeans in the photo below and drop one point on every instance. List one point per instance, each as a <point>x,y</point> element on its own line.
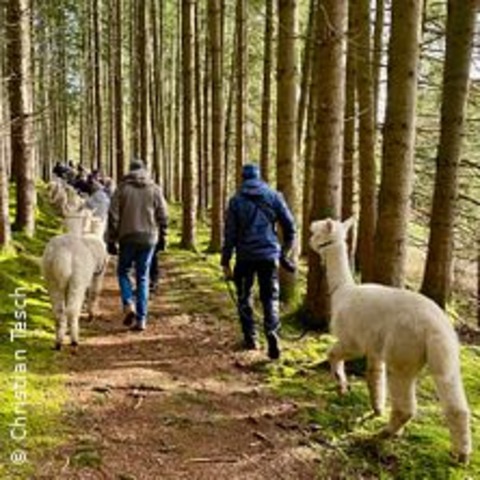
<point>139,256</point>
<point>244,276</point>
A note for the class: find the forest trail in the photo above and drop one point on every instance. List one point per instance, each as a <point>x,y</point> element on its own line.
<point>178,401</point>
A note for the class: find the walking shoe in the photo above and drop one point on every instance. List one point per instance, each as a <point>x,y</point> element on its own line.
<point>273,348</point>
<point>129,316</point>
<point>138,327</point>
<point>249,343</point>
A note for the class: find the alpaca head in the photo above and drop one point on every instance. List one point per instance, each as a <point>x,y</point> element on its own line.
<point>328,232</point>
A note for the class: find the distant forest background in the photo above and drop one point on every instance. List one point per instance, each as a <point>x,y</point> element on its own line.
<point>359,107</point>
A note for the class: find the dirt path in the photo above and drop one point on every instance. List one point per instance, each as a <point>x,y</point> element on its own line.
<point>176,401</point>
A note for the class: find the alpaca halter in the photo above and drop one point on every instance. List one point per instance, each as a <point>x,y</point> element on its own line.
<point>321,247</point>
<point>326,244</point>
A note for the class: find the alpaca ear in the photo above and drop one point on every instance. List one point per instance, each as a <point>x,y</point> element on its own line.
<point>347,224</point>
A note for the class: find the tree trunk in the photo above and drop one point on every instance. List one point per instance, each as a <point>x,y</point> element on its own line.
<point>310,141</point>
<point>241,103</point>
<point>459,43</point>
<point>287,121</point>
<point>198,115</point>
<point>327,166</point>
<point>366,137</point>
<point>348,173</point>
<point>20,100</point>
<point>117,90</point>
<point>306,74</point>
<point>141,53</point>
<point>398,148</point>
<point>265,164</point>
<point>188,185</point>
<point>5,234</point>
<point>177,174</point>
<point>377,53</point>
<point>97,87</point>
<point>216,43</point>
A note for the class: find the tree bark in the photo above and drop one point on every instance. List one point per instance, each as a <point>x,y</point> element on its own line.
<point>218,129</point>
<point>5,232</point>
<point>20,103</point>
<point>366,137</point>
<point>117,91</point>
<point>399,138</point>
<point>459,44</point>
<point>188,185</point>
<point>287,121</point>
<point>241,86</point>
<point>348,174</point>
<point>265,163</point>
<point>327,166</point>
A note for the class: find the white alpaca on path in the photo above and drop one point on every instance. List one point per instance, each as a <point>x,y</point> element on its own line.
<point>73,266</point>
<point>394,328</point>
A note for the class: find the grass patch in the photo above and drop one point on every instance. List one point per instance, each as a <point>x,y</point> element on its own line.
<point>31,379</point>
<point>341,429</point>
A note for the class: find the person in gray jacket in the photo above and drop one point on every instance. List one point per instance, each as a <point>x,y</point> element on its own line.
<point>136,218</point>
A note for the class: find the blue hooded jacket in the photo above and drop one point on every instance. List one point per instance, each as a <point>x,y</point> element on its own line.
<point>250,223</point>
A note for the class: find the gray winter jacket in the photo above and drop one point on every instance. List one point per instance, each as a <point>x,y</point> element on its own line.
<point>138,212</point>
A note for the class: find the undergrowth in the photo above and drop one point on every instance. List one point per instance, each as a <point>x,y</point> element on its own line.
<point>338,429</point>
<point>341,429</point>
<point>31,383</point>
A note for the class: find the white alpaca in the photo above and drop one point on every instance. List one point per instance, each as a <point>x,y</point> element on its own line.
<point>72,266</point>
<point>79,222</point>
<point>396,328</point>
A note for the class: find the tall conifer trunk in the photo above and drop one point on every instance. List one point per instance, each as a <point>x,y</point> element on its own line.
<point>459,44</point>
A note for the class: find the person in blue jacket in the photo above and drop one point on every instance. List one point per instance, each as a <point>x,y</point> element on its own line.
<point>250,231</point>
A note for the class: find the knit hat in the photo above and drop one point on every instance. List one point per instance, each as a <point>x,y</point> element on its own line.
<point>250,172</point>
<point>136,164</point>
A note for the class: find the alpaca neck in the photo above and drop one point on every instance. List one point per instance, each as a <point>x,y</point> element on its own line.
<point>337,267</point>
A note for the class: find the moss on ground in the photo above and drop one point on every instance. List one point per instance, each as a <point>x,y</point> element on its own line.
<point>29,369</point>
<point>341,428</point>
<point>337,428</point>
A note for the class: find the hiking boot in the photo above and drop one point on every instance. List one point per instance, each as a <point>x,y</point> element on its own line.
<point>273,347</point>
<point>249,343</point>
<point>128,316</point>
<point>138,327</point>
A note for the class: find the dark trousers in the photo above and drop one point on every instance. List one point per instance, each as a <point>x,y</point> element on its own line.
<point>244,277</point>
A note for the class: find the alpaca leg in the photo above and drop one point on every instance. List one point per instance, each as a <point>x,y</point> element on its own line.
<point>452,397</point>
<point>336,357</point>
<point>58,305</point>
<point>404,405</point>
<point>75,299</point>
<point>376,384</point>
<point>93,296</point>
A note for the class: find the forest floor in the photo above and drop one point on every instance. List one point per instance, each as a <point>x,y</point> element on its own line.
<point>179,400</point>
<point>182,400</point>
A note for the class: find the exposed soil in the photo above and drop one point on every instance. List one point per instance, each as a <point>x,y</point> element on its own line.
<point>178,401</point>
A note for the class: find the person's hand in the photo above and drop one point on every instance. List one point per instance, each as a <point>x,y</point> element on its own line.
<point>161,244</point>
<point>112,248</point>
<point>162,239</point>
<point>227,273</point>
<point>287,263</point>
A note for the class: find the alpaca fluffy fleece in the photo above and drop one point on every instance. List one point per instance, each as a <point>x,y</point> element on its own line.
<point>398,331</point>
<point>72,266</point>
<point>64,197</point>
<point>79,222</point>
